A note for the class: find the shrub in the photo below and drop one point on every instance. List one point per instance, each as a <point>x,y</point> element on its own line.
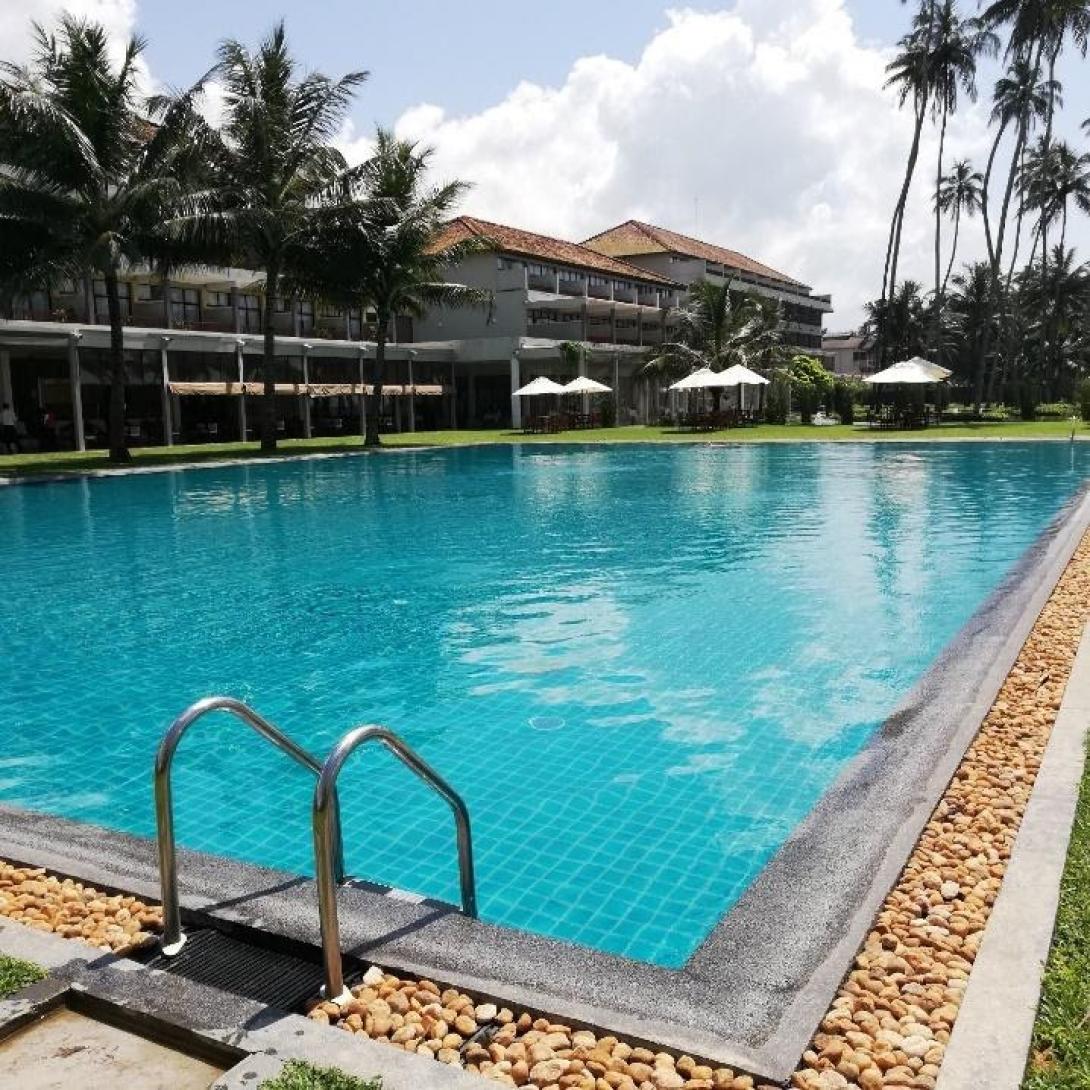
<point>778,398</point>
<point>847,393</point>
<point>16,974</point>
<point>1084,399</point>
<point>299,1075</point>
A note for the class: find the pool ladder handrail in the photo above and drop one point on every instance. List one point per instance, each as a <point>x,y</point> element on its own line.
<point>326,827</point>
<point>173,936</point>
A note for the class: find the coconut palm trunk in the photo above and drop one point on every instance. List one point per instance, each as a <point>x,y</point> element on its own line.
<point>938,215</point>
<point>893,250</point>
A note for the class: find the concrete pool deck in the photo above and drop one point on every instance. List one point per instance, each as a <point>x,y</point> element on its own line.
<point>246,1040</point>
<point>753,993</point>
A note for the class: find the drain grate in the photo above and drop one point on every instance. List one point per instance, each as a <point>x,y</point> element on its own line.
<point>267,976</point>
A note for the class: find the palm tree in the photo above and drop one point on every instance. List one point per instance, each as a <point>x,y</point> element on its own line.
<point>951,64</point>
<point>1040,29</point>
<point>973,321</point>
<point>273,168</point>
<point>706,327</point>
<point>959,192</point>
<point>1059,305</point>
<point>85,175</point>
<point>1070,184</point>
<point>379,245</point>
<point>903,318</point>
<point>908,73</point>
<point>1019,98</point>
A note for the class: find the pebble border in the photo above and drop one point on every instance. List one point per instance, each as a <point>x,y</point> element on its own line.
<point>72,910</point>
<point>891,1020</point>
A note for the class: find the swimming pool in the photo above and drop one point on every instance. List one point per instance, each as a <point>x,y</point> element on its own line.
<point>640,665</point>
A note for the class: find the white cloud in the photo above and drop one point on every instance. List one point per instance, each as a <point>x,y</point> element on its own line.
<point>765,128</point>
<point>117,16</point>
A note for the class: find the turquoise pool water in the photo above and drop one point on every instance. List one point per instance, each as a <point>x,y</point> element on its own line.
<point>641,665</point>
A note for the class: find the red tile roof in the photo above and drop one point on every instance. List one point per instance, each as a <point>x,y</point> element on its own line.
<point>513,240</point>
<point>633,238</point>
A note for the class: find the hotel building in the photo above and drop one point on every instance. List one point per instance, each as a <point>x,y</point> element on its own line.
<point>193,343</point>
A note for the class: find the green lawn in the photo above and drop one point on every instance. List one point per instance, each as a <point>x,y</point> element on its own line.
<point>16,974</point>
<point>1060,1056</point>
<point>298,1075</point>
<point>20,465</point>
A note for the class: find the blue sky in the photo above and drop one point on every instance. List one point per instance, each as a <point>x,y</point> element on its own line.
<point>420,51</point>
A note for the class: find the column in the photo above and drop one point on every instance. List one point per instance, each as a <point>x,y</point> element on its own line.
<point>516,404</point>
<point>412,393</point>
<point>639,327</point>
<point>306,392</point>
<point>616,388</point>
<point>584,401</point>
<point>239,349</point>
<point>168,426</point>
<point>363,400</point>
<point>77,393</point>
<point>5,378</point>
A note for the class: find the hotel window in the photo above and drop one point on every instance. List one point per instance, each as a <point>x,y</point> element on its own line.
<point>141,292</point>
<point>283,306</point>
<point>249,307</point>
<point>102,308</point>
<point>185,306</point>
<point>218,299</point>
<point>67,286</point>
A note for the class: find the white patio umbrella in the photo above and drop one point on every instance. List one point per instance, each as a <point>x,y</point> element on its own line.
<point>584,385</point>
<point>741,376</point>
<point>539,387</point>
<point>704,379</point>
<point>914,372</point>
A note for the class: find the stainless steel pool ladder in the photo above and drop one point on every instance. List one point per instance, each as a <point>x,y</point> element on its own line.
<point>325,820</point>
<point>326,825</point>
<point>173,936</point>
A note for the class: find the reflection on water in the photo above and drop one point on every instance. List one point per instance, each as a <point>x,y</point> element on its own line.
<point>642,665</point>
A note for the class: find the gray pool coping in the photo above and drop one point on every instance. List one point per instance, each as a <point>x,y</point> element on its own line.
<point>994,1027</point>
<point>201,1020</point>
<point>753,993</point>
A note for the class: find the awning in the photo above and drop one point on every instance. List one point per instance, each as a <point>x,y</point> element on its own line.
<point>298,389</point>
<point>354,389</point>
